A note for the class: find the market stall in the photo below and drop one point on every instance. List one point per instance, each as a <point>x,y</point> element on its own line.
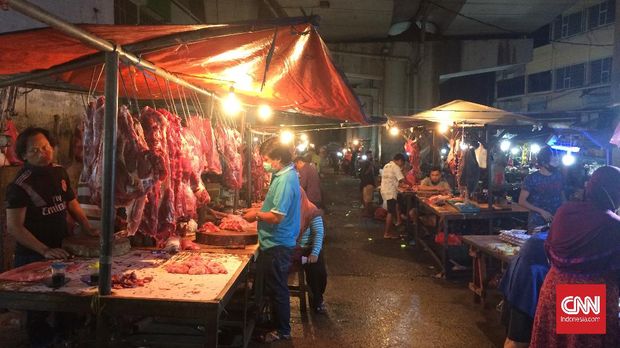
<point>472,132</point>
<point>202,85</point>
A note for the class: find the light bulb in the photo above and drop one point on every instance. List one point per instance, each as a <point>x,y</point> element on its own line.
<point>394,131</point>
<point>286,137</point>
<point>568,159</point>
<point>231,105</point>
<point>514,151</point>
<point>443,127</point>
<point>264,112</point>
<point>505,145</point>
<point>535,148</point>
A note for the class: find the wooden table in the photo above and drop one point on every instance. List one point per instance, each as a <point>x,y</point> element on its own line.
<point>160,298</point>
<point>446,213</point>
<point>480,249</point>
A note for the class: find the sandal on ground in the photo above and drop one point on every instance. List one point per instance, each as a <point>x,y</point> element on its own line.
<point>272,336</point>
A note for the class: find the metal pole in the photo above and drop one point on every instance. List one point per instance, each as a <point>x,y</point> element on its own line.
<point>489,146</point>
<point>109,171</point>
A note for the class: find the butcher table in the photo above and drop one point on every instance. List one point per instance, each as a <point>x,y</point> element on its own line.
<point>198,297</point>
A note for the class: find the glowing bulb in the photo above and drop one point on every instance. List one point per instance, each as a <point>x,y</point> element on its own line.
<point>286,137</point>
<point>339,154</point>
<point>394,131</point>
<point>364,157</point>
<point>444,151</point>
<point>464,146</point>
<point>231,105</point>
<point>256,139</point>
<point>514,151</point>
<point>312,146</point>
<point>344,151</point>
<point>304,137</point>
<point>264,112</point>
<point>505,145</point>
<point>535,148</point>
<point>443,127</point>
<point>356,142</point>
<point>302,147</point>
<point>568,159</point>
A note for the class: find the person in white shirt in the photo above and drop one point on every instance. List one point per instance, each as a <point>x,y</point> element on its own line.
<point>391,177</point>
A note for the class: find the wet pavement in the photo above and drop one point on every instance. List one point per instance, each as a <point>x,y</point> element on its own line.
<point>382,293</point>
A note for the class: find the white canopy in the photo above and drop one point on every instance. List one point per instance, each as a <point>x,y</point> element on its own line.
<point>464,112</point>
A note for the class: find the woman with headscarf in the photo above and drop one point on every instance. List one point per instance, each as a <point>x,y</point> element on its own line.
<point>541,192</point>
<point>584,248</point>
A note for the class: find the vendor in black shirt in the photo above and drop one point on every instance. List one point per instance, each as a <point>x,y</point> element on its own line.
<point>38,199</point>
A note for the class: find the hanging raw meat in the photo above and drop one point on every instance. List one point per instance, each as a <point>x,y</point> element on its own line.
<point>229,145</point>
<point>258,176</point>
<point>137,167</point>
<point>11,132</point>
<point>413,150</point>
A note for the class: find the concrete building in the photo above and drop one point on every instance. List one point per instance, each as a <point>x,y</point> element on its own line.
<point>570,73</point>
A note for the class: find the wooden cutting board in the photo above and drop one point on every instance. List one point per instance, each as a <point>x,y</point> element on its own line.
<point>225,238</point>
<point>89,246</point>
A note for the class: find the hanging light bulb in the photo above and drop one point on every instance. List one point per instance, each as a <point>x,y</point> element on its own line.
<point>504,145</point>
<point>255,139</point>
<point>264,112</point>
<point>286,137</point>
<point>304,137</point>
<point>464,146</point>
<point>443,127</point>
<point>394,131</point>
<point>356,142</point>
<point>568,159</point>
<point>514,151</point>
<point>535,148</point>
<point>231,105</point>
<point>302,147</point>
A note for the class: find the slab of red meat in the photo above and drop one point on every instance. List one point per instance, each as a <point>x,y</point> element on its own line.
<point>213,158</point>
<point>258,176</point>
<point>229,145</point>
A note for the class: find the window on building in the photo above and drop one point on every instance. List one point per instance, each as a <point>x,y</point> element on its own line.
<point>600,71</point>
<point>511,87</point>
<point>575,24</point>
<point>539,82</point>
<point>570,77</point>
<point>601,14</point>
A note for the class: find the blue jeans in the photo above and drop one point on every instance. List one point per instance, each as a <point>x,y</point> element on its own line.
<point>274,264</point>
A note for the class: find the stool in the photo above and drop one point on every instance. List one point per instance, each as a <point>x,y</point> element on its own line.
<point>300,289</point>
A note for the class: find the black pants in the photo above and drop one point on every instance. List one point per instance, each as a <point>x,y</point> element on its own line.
<point>273,265</point>
<point>316,277</point>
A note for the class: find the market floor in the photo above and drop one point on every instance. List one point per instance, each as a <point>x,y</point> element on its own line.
<point>381,294</point>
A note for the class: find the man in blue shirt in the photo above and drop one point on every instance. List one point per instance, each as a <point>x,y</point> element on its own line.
<point>278,227</point>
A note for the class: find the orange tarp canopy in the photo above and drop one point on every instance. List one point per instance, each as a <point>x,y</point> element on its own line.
<point>301,76</point>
